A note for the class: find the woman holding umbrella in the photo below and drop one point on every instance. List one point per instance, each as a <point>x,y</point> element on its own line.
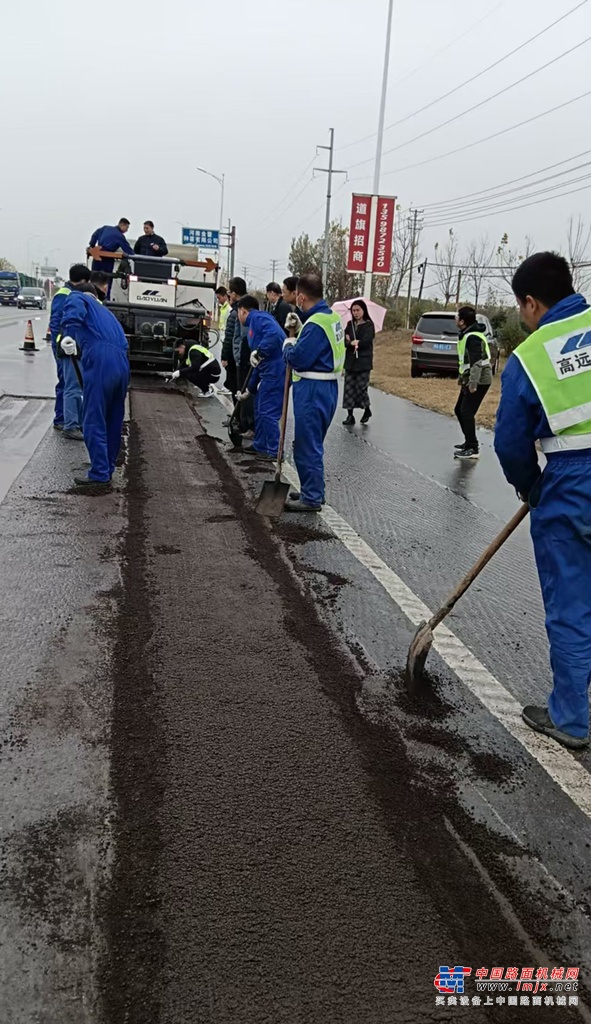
<point>359,338</point>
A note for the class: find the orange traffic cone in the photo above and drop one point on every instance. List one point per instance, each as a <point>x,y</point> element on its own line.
<point>29,342</point>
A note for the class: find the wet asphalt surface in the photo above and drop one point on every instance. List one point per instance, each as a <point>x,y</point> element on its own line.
<point>221,804</point>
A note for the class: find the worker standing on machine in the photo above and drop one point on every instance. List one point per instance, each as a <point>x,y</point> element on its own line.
<point>317,359</point>
<point>199,366</point>
<point>545,396</point>
<point>110,238</point>
<point>267,377</point>
<point>91,330</point>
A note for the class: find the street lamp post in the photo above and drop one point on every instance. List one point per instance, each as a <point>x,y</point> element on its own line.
<point>221,182</point>
<point>380,139</point>
<point>29,240</point>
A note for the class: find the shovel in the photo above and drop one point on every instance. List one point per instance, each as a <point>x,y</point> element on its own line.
<point>234,422</point>
<point>271,501</point>
<point>423,639</point>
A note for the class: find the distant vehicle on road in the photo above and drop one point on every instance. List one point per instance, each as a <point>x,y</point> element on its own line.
<point>34,298</point>
<point>10,286</point>
<point>435,344</point>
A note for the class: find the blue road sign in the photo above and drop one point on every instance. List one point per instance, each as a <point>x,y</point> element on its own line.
<point>201,237</point>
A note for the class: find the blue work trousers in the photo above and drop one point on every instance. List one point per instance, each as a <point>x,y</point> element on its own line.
<point>561,534</point>
<point>72,396</point>
<point>268,406</point>
<point>58,413</point>
<point>314,405</point>
<point>105,388</point>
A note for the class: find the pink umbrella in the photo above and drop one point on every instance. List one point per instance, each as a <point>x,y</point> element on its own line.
<point>377,313</point>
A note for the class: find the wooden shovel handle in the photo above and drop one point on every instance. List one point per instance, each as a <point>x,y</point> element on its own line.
<point>477,568</point>
<point>283,426</point>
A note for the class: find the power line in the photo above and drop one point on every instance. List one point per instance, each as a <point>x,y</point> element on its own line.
<point>460,212</point>
<point>269,215</point>
<point>478,142</point>
<point>474,205</point>
<point>429,61</point>
<point>512,181</point>
<point>484,71</point>
<point>509,209</point>
<point>482,103</point>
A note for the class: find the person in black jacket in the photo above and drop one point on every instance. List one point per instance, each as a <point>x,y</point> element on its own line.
<point>150,244</point>
<point>199,365</point>
<point>278,307</point>
<point>359,338</point>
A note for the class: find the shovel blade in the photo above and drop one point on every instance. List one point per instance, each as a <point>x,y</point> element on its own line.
<point>234,433</point>
<point>417,654</point>
<point>272,499</point>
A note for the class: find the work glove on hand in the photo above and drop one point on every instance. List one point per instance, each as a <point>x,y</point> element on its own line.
<point>175,375</point>
<point>68,346</point>
<point>288,342</point>
<point>242,396</point>
<point>256,357</point>
<point>293,322</point>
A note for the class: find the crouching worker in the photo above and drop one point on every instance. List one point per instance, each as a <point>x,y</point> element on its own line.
<point>267,377</point>
<point>90,331</point>
<point>199,366</point>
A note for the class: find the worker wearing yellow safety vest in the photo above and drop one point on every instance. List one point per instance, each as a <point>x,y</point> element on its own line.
<point>317,359</point>
<point>199,365</point>
<point>475,378</point>
<point>546,397</point>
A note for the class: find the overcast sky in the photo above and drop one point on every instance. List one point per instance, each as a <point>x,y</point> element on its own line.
<point>109,108</point>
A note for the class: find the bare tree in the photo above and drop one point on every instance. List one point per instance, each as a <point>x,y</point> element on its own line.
<point>6,264</point>
<point>445,265</point>
<point>509,259</point>
<point>578,237</point>
<point>479,260</point>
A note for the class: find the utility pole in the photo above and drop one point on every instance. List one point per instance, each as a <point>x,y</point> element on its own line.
<point>232,251</point>
<point>423,270</point>
<point>413,243</point>
<point>330,171</point>
<point>273,266</point>
<point>245,269</point>
<point>458,288</point>
<point>379,147</point>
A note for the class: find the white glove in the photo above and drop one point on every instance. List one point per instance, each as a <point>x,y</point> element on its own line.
<point>175,375</point>
<point>292,321</point>
<point>243,395</point>
<point>256,358</point>
<point>287,342</point>
<point>68,346</point>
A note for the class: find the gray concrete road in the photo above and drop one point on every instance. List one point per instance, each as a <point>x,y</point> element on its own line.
<point>221,803</point>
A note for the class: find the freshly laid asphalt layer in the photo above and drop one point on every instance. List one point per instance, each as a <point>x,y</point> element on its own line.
<point>220,802</point>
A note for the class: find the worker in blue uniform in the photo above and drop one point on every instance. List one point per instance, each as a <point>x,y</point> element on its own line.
<point>546,397</point>
<point>267,376</point>
<point>317,359</point>
<point>91,330</point>
<point>67,416</point>
<point>110,238</point>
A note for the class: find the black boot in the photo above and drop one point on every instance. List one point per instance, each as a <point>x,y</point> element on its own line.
<point>366,415</point>
<point>350,421</point>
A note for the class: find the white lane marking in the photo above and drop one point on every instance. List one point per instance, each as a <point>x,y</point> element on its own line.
<point>560,765</point>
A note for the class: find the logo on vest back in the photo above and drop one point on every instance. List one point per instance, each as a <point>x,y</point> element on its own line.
<point>570,354</point>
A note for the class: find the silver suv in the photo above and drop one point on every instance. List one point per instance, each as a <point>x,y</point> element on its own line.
<point>435,344</point>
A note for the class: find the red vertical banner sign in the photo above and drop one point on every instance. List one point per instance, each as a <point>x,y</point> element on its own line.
<point>358,257</point>
<point>382,250</point>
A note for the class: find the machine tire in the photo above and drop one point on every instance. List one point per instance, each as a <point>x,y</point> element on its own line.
<point>415,371</point>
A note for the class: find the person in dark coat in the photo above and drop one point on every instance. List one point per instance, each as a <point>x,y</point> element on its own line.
<point>359,337</point>
<point>278,307</point>
<point>150,244</point>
